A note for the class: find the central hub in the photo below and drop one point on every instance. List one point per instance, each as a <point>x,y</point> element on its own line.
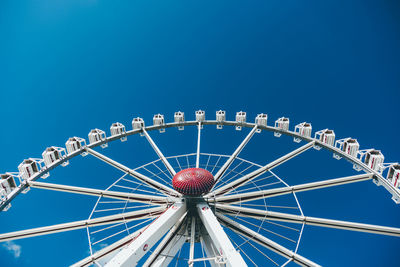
<point>193,181</point>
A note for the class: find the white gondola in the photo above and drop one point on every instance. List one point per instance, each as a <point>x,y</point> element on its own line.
<point>220,116</point>
<point>54,154</point>
<point>393,175</point>
<point>261,120</point>
<point>7,185</point>
<point>137,124</point>
<point>348,145</point>
<point>303,129</point>
<point>158,120</point>
<point>74,144</point>
<point>118,129</point>
<point>326,136</point>
<point>240,118</point>
<point>282,124</point>
<point>29,167</point>
<point>179,117</point>
<point>97,135</point>
<point>372,158</point>
<point>200,117</point>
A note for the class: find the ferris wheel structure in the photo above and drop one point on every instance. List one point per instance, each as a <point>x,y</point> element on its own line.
<point>199,208</point>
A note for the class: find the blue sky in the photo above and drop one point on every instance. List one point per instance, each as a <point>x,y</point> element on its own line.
<point>70,66</point>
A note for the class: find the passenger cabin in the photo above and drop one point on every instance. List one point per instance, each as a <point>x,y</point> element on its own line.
<point>7,182</point>
<point>282,124</point>
<point>117,129</point>
<point>303,129</point>
<point>53,154</point>
<point>326,136</point>
<point>74,144</point>
<point>158,120</point>
<point>240,118</point>
<point>261,120</point>
<point>394,175</point>
<point>220,118</point>
<point>97,135</point>
<point>374,159</point>
<point>28,168</point>
<point>200,117</point>
<point>179,117</point>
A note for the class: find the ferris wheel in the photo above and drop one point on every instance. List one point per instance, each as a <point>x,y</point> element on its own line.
<point>199,209</point>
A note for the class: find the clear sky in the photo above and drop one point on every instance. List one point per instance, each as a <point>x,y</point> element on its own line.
<point>70,66</point>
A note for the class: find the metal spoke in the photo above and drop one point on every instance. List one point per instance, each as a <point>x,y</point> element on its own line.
<point>171,243</point>
<point>245,179</point>
<point>262,240</point>
<point>128,216</point>
<point>198,145</point>
<point>250,196</point>
<point>228,163</point>
<point>132,197</point>
<point>159,153</point>
<point>160,187</point>
<point>285,217</point>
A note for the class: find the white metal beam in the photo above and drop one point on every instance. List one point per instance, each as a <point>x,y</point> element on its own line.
<point>262,240</point>
<point>168,247</point>
<point>198,145</point>
<point>245,179</point>
<point>131,197</point>
<point>228,163</point>
<point>192,241</point>
<point>219,237</point>
<point>210,250</point>
<point>285,217</point>
<point>250,196</point>
<point>159,153</point>
<point>109,249</point>
<point>163,188</point>
<point>131,255</point>
<point>128,216</point>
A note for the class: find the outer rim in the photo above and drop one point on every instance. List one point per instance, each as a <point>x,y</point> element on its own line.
<point>381,180</point>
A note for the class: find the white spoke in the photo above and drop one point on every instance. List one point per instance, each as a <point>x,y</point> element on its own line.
<point>128,216</point>
<point>131,255</point>
<point>228,163</point>
<point>285,217</point>
<point>162,188</point>
<point>168,247</point>
<point>262,240</point>
<point>159,153</point>
<point>198,145</point>
<point>250,196</point>
<point>219,237</point>
<point>245,179</point>
<point>96,192</point>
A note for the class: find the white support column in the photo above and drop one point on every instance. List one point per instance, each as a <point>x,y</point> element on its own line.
<point>192,241</point>
<point>132,197</point>
<point>113,248</point>
<point>198,145</point>
<point>245,179</point>
<point>168,247</point>
<point>210,250</point>
<point>219,237</point>
<point>131,255</point>
<point>245,197</point>
<point>262,240</point>
<point>158,186</point>
<point>159,153</point>
<point>228,163</point>
<point>128,216</point>
<point>291,218</point>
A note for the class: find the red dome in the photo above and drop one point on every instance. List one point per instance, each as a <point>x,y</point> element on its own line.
<point>193,181</point>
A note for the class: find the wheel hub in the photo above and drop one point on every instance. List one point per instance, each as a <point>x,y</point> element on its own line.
<point>193,181</point>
